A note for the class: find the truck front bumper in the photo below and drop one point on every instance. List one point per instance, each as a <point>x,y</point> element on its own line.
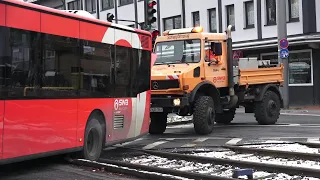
<point>161,104</point>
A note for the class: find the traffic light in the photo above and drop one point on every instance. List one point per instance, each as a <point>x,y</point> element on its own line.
<point>150,11</point>
<point>154,35</point>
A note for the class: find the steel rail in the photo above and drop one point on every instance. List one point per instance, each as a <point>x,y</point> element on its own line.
<point>310,144</point>
<point>120,170</point>
<point>139,170</point>
<point>274,168</point>
<point>275,153</point>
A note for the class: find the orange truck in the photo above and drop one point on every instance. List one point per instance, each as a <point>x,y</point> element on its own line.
<point>195,75</point>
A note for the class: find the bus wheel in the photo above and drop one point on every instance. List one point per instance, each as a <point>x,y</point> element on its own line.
<point>158,123</point>
<point>203,115</point>
<point>93,140</point>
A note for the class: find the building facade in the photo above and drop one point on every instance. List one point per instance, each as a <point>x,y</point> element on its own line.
<point>254,32</point>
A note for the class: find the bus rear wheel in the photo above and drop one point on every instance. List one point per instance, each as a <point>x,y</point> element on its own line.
<point>93,140</point>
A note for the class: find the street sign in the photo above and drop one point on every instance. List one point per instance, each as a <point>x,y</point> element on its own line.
<point>284,53</point>
<point>284,44</point>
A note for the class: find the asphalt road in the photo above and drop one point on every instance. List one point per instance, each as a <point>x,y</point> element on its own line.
<point>244,129</point>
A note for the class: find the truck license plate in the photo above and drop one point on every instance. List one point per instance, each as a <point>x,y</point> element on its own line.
<point>156,109</point>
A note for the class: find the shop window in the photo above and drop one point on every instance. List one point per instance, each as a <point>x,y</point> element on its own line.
<point>300,67</point>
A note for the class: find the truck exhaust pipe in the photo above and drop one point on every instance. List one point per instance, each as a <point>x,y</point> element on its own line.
<point>233,98</point>
<point>230,61</point>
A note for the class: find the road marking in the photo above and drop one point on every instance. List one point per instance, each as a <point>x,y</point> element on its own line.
<point>129,142</point>
<point>150,146</point>
<point>187,138</point>
<point>181,126</point>
<point>312,140</point>
<point>280,138</point>
<point>298,114</point>
<point>195,142</point>
<point>234,141</point>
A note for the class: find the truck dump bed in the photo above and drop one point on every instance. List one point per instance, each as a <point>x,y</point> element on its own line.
<point>251,74</point>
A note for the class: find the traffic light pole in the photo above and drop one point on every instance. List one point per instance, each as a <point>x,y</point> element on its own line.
<point>145,13</point>
<point>136,13</point>
<point>282,34</point>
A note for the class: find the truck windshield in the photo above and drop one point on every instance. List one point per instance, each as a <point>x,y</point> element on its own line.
<point>180,51</point>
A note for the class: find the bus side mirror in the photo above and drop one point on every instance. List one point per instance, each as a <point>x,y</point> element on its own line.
<point>216,47</point>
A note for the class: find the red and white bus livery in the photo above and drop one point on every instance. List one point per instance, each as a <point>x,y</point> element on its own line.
<point>69,82</point>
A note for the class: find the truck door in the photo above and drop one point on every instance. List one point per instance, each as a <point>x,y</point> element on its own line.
<point>215,66</point>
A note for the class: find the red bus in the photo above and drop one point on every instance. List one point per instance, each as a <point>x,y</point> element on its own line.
<point>69,82</point>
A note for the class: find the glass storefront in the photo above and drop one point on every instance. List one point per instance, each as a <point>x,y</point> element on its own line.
<point>300,66</point>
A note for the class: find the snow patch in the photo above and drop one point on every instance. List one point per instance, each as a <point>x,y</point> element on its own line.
<point>172,118</point>
<point>286,147</point>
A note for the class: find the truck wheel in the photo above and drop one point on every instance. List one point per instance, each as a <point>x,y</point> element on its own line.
<point>158,123</point>
<point>93,140</point>
<point>203,115</point>
<point>226,117</point>
<point>267,111</point>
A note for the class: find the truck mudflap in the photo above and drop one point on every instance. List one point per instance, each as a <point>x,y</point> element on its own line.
<point>161,104</point>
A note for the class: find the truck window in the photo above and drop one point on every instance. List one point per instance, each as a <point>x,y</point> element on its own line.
<point>180,51</point>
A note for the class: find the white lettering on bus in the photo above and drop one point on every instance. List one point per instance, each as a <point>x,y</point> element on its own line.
<point>120,102</point>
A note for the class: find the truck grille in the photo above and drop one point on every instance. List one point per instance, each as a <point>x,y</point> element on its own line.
<point>164,84</point>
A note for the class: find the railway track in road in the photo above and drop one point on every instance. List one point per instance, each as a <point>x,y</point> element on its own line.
<point>154,164</point>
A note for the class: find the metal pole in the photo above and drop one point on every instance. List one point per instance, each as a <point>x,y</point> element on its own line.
<point>183,13</point>
<point>116,10</point>
<point>282,33</point>
<point>136,13</point>
<point>158,16</point>
<point>145,14</point>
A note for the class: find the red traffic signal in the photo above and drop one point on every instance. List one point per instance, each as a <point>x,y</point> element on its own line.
<point>155,33</point>
<point>152,3</point>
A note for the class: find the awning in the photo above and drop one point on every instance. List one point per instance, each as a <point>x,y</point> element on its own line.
<point>296,40</point>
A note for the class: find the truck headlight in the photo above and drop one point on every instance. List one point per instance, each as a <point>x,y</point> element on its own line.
<point>176,102</point>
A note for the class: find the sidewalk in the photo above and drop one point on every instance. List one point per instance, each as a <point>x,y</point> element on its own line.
<point>294,110</point>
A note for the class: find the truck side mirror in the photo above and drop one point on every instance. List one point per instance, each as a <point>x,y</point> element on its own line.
<point>216,47</point>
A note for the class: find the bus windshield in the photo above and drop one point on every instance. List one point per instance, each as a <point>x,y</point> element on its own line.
<point>180,51</point>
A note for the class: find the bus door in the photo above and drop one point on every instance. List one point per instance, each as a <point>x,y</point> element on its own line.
<point>123,118</point>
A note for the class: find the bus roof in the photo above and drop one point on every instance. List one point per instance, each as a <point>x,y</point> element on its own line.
<point>41,8</point>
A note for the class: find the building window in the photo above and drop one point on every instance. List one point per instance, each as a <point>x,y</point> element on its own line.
<point>196,18</point>
<point>293,10</point>
<point>249,10</point>
<point>125,2</point>
<point>271,12</point>
<point>91,6</point>
<point>212,20</point>
<point>107,4</point>
<point>230,17</point>
<point>172,23</point>
<point>300,67</point>
<point>74,5</point>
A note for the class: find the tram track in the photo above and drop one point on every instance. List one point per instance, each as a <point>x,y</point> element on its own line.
<point>174,162</point>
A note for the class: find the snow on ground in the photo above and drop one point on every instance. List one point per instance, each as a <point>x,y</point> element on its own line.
<point>217,170</point>
<point>262,159</point>
<point>287,147</point>
<point>175,118</point>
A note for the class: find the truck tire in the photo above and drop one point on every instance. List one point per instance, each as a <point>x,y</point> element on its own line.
<point>267,111</point>
<point>203,115</point>
<point>226,117</point>
<point>93,139</point>
<point>158,123</point>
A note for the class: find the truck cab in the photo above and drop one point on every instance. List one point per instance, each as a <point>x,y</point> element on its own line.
<point>194,75</point>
